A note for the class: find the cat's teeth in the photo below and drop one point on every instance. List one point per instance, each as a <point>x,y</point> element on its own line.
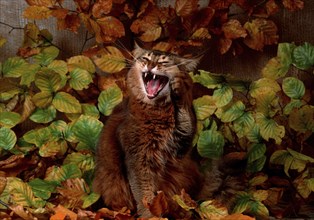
<point>154,76</point>
<point>145,75</point>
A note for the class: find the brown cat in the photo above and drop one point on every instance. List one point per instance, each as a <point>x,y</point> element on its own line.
<point>145,146</point>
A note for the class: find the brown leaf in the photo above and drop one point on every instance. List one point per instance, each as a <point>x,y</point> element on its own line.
<point>3,183</point>
<point>128,11</point>
<point>61,211</point>
<point>293,5</point>
<point>59,13</point>
<point>224,45</point>
<point>83,5</point>
<point>233,29</point>
<point>158,205</point>
<point>202,18</point>
<point>70,22</point>
<point>23,213</point>
<point>47,3</point>
<point>26,52</point>
<point>163,46</point>
<point>37,12</point>
<point>123,214</point>
<point>151,34</point>
<point>101,8</point>
<point>185,7</point>
<point>271,7</point>
<point>220,4</point>
<point>201,33</point>
<point>261,32</point>
<point>238,216</point>
<point>111,26</point>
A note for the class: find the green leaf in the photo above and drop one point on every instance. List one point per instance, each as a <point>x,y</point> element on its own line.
<point>9,119</point>
<point>84,161</point>
<point>258,180</point>
<point>223,95</point>
<point>87,130</point>
<point>42,99</point>
<point>7,138</point>
<point>231,113</point>
<point>110,60</point>
<point>58,66</point>
<point>284,53</point>
<point>300,156</point>
<point>303,56</point>
<point>43,115</point>
<point>269,128</point>
<point>204,107</point>
<point>80,79</point>
<point>293,87</point>
<point>60,174</point>
<point>90,199</point>
<point>263,85</point>
<point>275,69</point>
<point>48,80</point>
<point>210,144</point>
<point>302,119</point>
<point>256,151</point>
<point>14,67</point>
<point>28,75</point>
<point>64,102</point>
<point>87,109</point>
<point>57,129</point>
<point>108,99</point>
<point>22,194</point>
<point>242,201</point>
<point>41,188</point>
<point>293,104</point>
<point>207,79</point>
<point>257,165</point>
<point>81,62</point>
<point>253,135</point>
<point>53,148</point>
<point>46,56</point>
<point>38,137</point>
<point>243,124</point>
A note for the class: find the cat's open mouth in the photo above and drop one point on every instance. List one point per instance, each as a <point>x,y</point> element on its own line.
<point>154,83</point>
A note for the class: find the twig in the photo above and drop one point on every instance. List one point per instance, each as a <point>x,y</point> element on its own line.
<point>12,27</point>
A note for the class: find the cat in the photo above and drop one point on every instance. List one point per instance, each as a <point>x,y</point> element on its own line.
<point>146,144</point>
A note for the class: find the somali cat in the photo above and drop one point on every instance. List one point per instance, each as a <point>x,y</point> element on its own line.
<point>145,146</point>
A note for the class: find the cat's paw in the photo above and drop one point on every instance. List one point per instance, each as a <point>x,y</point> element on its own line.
<point>178,86</point>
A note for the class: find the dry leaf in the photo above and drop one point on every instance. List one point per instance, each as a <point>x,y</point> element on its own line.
<point>201,33</point>
<point>293,5</point>
<point>151,34</point>
<point>238,216</point>
<point>163,46</point>
<point>59,13</point>
<point>128,11</point>
<point>224,45</point>
<point>3,183</point>
<point>23,213</point>
<point>158,205</point>
<point>185,7</point>
<point>82,5</point>
<point>47,3</point>
<point>37,12</point>
<point>233,29</point>
<point>61,211</point>
<point>111,26</point>
<point>101,8</point>
<point>70,22</point>
<point>271,7</point>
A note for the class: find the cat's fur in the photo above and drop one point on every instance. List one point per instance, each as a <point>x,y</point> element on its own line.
<point>145,146</point>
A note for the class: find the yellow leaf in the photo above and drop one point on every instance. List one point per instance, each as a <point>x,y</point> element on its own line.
<point>201,33</point>
<point>151,34</point>
<point>47,3</point>
<point>37,12</point>
<point>238,216</point>
<point>60,210</point>
<point>233,29</point>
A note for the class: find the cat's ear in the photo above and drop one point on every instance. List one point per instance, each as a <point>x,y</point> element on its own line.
<point>188,64</point>
<point>138,51</point>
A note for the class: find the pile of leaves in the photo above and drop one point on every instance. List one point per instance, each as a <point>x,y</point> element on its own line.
<point>52,110</point>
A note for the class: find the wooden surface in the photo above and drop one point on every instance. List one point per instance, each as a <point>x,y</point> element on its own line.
<point>293,27</point>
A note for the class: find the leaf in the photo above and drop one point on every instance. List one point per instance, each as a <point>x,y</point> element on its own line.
<point>185,8</point>
<point>256,151</point>
<point>7,138</point>
<point>21,212</point>
<point>269,128</point>
<point>37,12</point>
<point>108,99</point>
<point>57,129</point>
<point>152,34</point>
<point>258,180</point>
<point>63,213</point>
<point>9,119</point>
<point>210,210</point>
<point>233,29</point>
<point>38,137</point>
<point>110,60</point>
<point>208,79</point>
<point>90,199</point>
<point>84,161</point>
<point>243,124</point>
<point>238,216</point>
<point>46,56</point>
<point>303,56</point>
<point>293,5</point>
<point>22,194</point>
<point>300,156</point>
<point>87,130</point>
<point>58,66</point>
<point>71,22</point>
<point>292,105</point>
<point>14,67</point>
<point>293,87</point>
<point>101,8</point>
<point>201,33</point>
<point>53,148</point>
<point>60,174</point>
<point>185,201</point>
<point>261,32</point>
<point>43,115</point>
<point>231,113</point>
<point>210,144</point>
<point>42,99</point>
<point>82,62</point>
<point>263,84</point>
<point>284,53</point>
<point>80,79</point>
<point>47,3</point>
<point>29,73</point>
<point>41,188</point>
<point>2,41</point>
<point>204,107</point>
<point>302,119</point>
<point>274,69</point>
<point>64,102</point>
<point>224,45</point>
<point>223,95</point>
<point>111,27</point>
<point>48,80</point>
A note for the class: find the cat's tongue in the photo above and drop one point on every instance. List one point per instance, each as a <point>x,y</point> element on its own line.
<point>152,87</point>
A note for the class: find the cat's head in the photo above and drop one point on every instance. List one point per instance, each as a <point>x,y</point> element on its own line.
<point>152,71</point>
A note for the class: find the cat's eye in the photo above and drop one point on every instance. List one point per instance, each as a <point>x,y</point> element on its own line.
<point>145,59</point>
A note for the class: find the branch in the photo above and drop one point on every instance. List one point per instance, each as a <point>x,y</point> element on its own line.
<point>12,27</point>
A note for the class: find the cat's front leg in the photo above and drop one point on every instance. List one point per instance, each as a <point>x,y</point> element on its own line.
<point>181,89</point>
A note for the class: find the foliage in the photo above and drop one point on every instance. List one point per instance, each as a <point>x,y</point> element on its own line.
<point>51,109</point>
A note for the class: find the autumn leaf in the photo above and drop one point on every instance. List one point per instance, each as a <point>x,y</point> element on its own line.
<point>159,204</point>
<point>101,8</point>
<point>271,7</point>
<point>293,5</point>
<point>224,45</point>
<point>37,12</point>
<point>62,213</point>
<point>185,7</point>
<point>47,3</point>
<point>261,32</point>
<point>70,22</point>
<point>233,29</point>
<point>111,26</point>
<point>60,13</point>
<point>151,34</point>
<point>201,33</point>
